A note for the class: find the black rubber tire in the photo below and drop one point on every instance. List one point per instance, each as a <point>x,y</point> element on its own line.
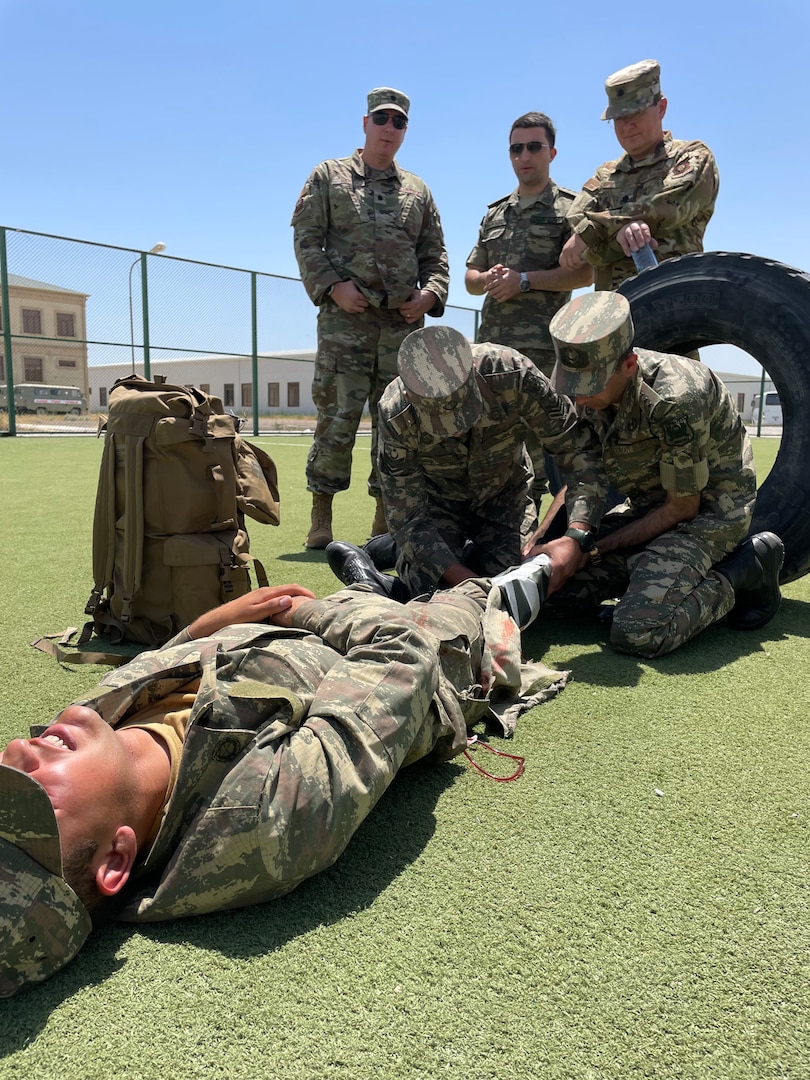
<point>763,307</point>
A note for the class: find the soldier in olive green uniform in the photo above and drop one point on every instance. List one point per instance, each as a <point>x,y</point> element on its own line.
<point>240,758</point>
<point>370,249</point>
<point>515,262</point>
<point>674,446</point>
<point>661,191</point>
<point>452,460</point>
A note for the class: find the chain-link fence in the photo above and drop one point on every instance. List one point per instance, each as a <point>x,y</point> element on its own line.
<point>77,315</point>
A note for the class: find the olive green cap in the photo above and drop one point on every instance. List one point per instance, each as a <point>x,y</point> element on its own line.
<point>590,334</point>
<point>437,370</point>
<point>43,924</point>
<point>386,98</point>
<point>633,89</point>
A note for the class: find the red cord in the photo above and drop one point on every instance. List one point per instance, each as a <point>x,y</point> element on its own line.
<point>473,741</point>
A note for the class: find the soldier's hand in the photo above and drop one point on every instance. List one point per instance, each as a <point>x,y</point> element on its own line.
<point>566,558</point>
<point>572,256</point>
<point>348,297</point>
<point>504,285</point>
<point>260,605</point>
<point>418,304</point>
<point>634,236</point>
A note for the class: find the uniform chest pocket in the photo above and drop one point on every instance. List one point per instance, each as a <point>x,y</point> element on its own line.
<point>348,209</point>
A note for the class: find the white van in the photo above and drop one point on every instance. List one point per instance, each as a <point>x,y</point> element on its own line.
<point>41,398</point>
<point>771,410</point>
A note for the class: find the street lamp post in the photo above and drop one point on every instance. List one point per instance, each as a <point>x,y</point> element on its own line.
<point>156,250</point>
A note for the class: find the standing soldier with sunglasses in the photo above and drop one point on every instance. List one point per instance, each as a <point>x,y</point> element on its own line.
<point>371,252</point>
<point>515,263</point>
<point>660,192</point>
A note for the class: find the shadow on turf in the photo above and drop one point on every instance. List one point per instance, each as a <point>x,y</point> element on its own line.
<point>601,665</point>
<point>389,840</point>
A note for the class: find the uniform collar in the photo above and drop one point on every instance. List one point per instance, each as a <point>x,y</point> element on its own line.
<point>546,196</point>
<point>662,151</point>
<point>365,172</point>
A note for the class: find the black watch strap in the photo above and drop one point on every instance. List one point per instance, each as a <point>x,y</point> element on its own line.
<point>584,538</point>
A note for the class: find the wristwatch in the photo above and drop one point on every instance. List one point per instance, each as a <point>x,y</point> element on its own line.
<point>587,543</point>
<point>524,283</point>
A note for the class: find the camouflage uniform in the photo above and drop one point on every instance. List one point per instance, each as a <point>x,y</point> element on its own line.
<point>440,491</point>
<point>675,429</point>
<point>381,230</point>
<point>295,734</point>
<point>525,238</point>
<point>673,190</point>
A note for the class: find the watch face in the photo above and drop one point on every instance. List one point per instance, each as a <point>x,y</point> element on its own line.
<point>585,539</point>
<point>524,284</point>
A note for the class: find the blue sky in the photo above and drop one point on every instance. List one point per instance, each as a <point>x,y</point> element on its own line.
<point>196,123</point>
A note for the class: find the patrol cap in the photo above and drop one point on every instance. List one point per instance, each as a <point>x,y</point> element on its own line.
<point>386,98</point>
<point>590,334</point>
<point>43,924</point>
<point>436,367</point>
<point>633,89</point>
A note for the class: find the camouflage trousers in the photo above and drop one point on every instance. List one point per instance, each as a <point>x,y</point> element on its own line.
<point>356,360</point>
<point>486,545</point>
<point>668,590</point>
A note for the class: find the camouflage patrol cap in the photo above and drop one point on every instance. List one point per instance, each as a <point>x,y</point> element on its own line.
<point>386,98</point>
<point>590,334</point>
<point>436,367</point>
<point>633,89</point>
<point>43,924</point>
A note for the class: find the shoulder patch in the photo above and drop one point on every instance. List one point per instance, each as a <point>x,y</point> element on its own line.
<point>676,429</point>
<point>591,185</point>
<point>684,166</point>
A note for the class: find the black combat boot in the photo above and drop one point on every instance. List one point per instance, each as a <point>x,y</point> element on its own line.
<point>353,566</point>
<point>752,570</point>
<point>382,550</point>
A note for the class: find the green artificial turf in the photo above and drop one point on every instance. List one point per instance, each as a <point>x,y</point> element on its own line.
<point>635,905</point>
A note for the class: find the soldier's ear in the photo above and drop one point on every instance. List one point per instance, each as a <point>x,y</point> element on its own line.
<point>629,364</point>
<point>662,107</point>
<point>113,864</point>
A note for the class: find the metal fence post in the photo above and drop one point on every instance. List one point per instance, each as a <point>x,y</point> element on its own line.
<point>5,308</point>
<point>147,367</point>
<point>761,402</point>
<point>254,329</point>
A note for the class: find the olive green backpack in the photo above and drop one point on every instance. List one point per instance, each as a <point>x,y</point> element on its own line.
<point>169,537</point>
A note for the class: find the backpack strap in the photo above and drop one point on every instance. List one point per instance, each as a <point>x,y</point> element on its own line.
<point>132,561</point>
<point>103,528</point>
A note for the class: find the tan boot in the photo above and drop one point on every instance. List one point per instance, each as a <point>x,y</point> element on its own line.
<point>379,524</point>
<point>320,530</point>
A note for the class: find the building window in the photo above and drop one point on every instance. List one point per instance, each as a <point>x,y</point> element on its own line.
<point>227,396</point>
<point>293,395</point>
<point>32,321</point>
<point>205,387</point>
<point>102,396</point>
<point>67,363</point>
<point>272,395</point>
<point>247,395</point>
<point>33,368</point>
<point>740,403</point>
<point>65,325</point>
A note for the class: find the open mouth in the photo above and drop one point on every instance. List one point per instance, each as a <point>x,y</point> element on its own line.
<point>59,738</point>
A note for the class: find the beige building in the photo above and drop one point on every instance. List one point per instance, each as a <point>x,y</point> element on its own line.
<point>284,380</point>
<point>48,334</point>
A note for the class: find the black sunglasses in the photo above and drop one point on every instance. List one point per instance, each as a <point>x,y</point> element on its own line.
<point>516,148</point>
<point>397,119</point>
